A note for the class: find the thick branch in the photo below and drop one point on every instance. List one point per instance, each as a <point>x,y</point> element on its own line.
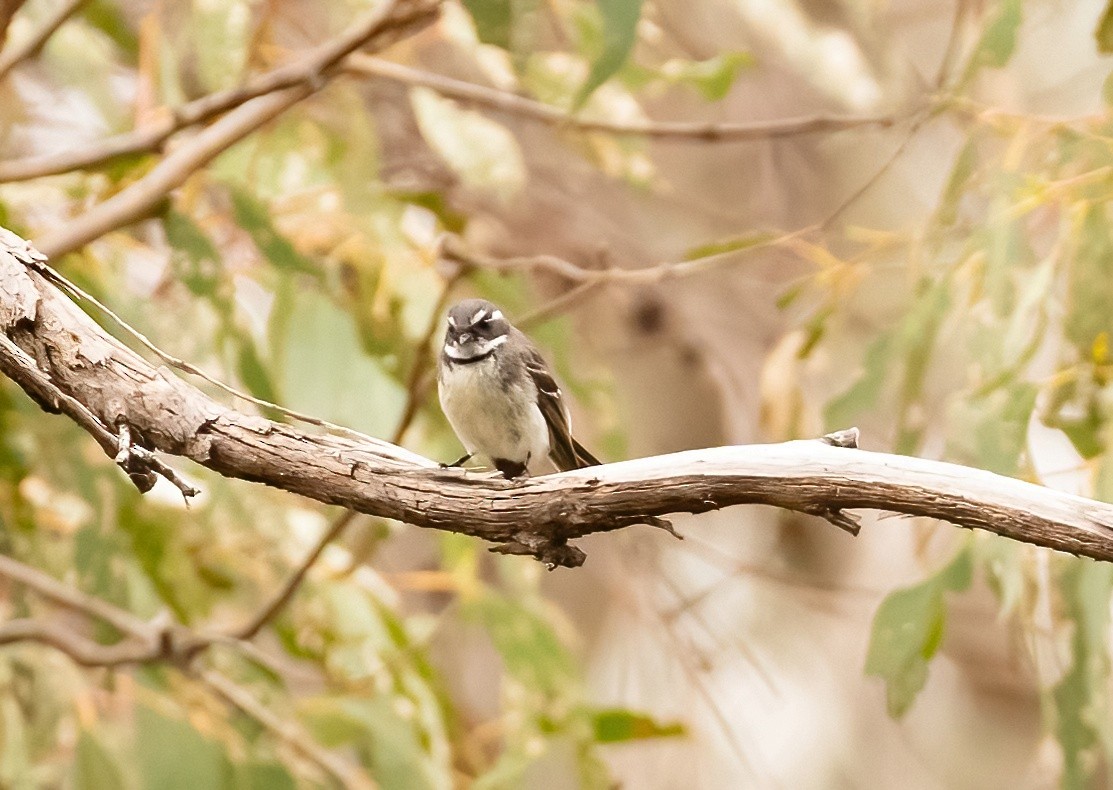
<point>539,515</point>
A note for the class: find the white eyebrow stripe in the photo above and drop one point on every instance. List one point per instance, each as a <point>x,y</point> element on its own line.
<point>479,314</point>
<point>497,315</point>
<point>452,322</point>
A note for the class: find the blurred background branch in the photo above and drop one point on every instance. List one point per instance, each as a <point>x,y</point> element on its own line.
<point>10,56</point>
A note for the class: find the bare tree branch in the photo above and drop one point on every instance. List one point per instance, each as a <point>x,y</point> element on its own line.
<point>144,196</point>
<point>8,9</point>
<point>697,131</point>
<point>11,57</point>
<point>64,595</point>
<point>536,516</point>
<point>147,642</point>
<point>453,249</point>
<point>138,462</point>
<point>346,773</point>
<point>308,73</point>
<point>83,651</point>
<point>283,596</point>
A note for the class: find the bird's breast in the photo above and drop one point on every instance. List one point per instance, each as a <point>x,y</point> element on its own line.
<point>491,414</point>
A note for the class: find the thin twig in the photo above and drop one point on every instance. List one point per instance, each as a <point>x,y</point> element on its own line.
<point>142,198</point>
<point>69,597</point>
<point>878,174</point>
<point>150,642</point>
<point>283,596</point>
<point>694,677</point>
<point>11,57</point>
<point>417,382</point>
<point>312,70</point>
<point>83,651</point>
<point>557,305</point>
<point>693,131</point>
<point>80,294</point>
<point>950,53</point>
<point>347,774</point>
<point>454,249</point>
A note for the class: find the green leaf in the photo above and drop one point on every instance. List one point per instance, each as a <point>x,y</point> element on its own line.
<point>1091,281</point>
<point>713,77</point>
<point>392,744</point>
<point>620,31</point>
<point>507,772</point>
<point>1003,561</point>
<point>198,265</point>
<point>991,432</point>
<point>481,151</point>
<point>527,643</point>
<point>160,544</point>
<point>729,244</point>
<point>253,373</point>
<point>254,217</point>
<point>961,172</point>
<point>323,369</point>
<point>492,21</point>
<point>173,755</point>
<point>220,35</point>
<point>94,767</point>
<point>1106,94</point>
<point>452,220</point>
<point>1081,701</point>
<point>108,17</point>
<point>616,725</point>
<point>15,747</point>
<point>908,629</point>
<point>864,393</point>
<point>999,39</point>
<point>1104,31</point>
<point>264,776</point>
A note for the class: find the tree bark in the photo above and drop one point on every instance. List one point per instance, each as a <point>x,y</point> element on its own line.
<point>64,360</point>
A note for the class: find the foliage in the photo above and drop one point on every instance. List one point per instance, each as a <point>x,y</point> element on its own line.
<point>300,266</point>
<point>908,629</point>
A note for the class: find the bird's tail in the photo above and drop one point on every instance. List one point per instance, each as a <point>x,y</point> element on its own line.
<point>583,457</point>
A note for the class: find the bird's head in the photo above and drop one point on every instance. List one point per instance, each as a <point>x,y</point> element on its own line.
<point>475,329</point>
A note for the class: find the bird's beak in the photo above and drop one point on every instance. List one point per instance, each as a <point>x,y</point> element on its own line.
<point>464,338</point>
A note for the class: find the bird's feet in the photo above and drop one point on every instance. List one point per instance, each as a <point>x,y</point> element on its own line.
<point>510,469</point>
<point>463,459</point>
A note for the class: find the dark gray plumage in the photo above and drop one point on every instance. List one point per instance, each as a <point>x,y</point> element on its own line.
<point>499,395</point>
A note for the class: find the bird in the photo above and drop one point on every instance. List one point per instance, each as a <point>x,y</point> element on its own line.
<point>500,397</point>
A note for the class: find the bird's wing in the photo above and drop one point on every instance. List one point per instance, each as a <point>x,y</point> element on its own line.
<point>564,450</point>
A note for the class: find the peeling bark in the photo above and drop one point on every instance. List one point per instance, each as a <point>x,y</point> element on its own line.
<point>78,369</point>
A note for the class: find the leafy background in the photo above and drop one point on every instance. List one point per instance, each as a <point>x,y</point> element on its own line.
<point>952,297</point>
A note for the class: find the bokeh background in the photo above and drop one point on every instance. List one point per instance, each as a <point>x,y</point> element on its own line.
<point>930,257</point>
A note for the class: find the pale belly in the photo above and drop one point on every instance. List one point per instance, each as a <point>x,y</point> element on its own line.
<point>487,420</point>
